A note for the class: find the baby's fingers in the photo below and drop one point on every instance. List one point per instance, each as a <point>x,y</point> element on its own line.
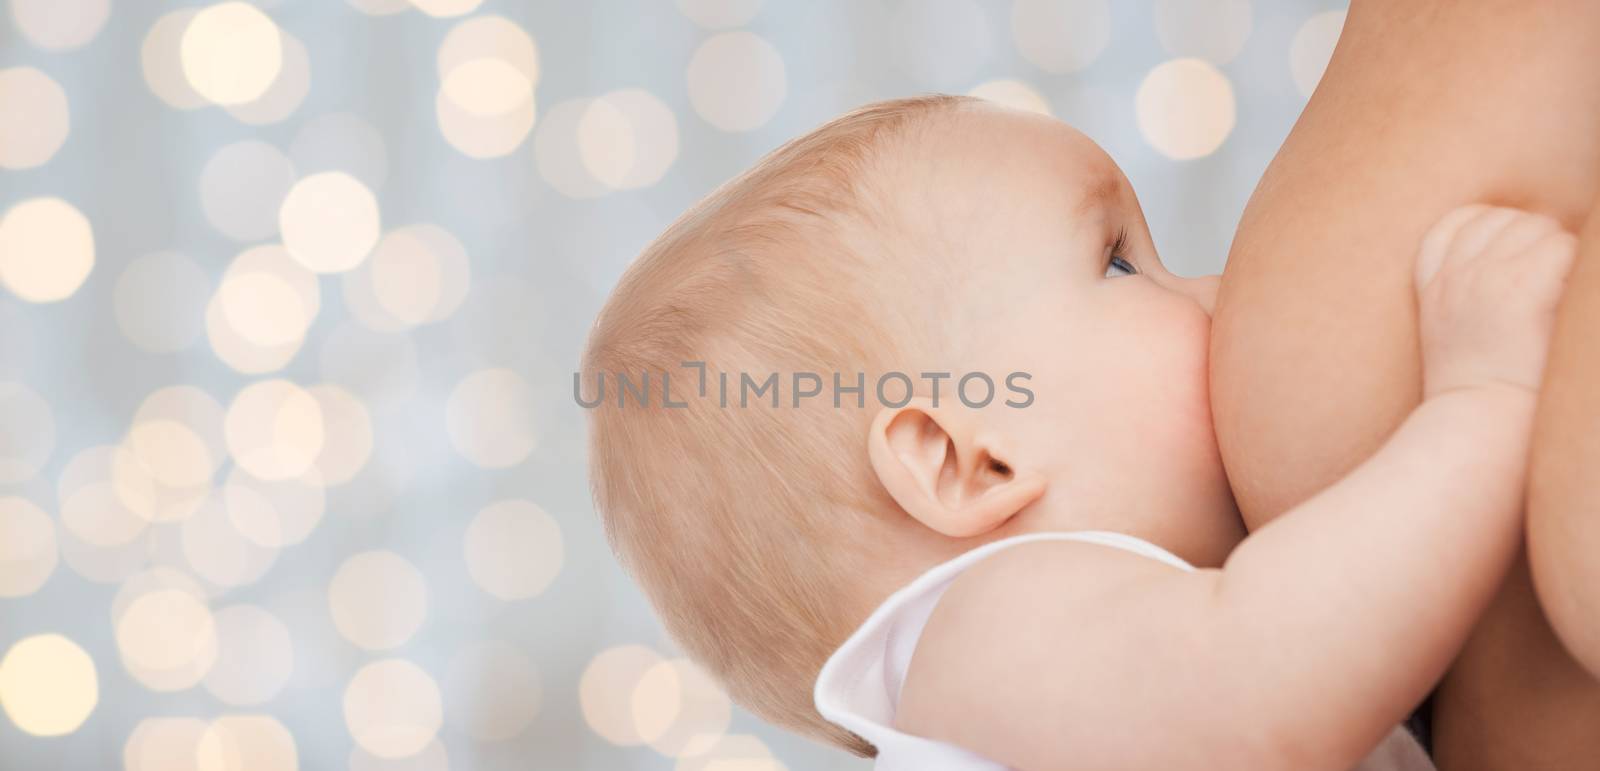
<point>1545,263</point>
<point>1438,242</point>
<point>1523,233</point>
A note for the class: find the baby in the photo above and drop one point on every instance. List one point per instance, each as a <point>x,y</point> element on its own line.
<point>1056,581</point>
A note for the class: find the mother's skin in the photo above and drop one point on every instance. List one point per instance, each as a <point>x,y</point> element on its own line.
<point>1563,486</point>
<point>1427,104</point>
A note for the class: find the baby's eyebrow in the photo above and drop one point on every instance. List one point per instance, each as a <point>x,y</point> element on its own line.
<point>1102,189</point>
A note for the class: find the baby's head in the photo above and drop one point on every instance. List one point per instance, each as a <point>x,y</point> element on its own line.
<point>921,236</point>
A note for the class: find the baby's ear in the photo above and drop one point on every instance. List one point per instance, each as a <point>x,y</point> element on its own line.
<point>946,471</point>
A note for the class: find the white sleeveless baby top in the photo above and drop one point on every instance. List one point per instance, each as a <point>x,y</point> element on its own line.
<point>859,686</point>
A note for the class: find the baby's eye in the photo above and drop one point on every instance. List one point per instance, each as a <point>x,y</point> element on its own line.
<point>1118,267</point>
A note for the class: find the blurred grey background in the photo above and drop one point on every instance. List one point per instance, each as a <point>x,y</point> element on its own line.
<point>290,297</point>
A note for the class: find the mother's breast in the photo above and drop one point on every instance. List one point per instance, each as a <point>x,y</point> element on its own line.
<point>1426,105</point>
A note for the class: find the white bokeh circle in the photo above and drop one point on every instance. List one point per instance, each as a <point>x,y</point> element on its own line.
<point>28,552</point>
<point>1185,108</point>
<point>231,52</point>
<point>513,549</point>
<point>489,416</point>
<point>1061,35</point>
<point>737,81</point>
<point>392,708</point>
<point>27,432</point>
<point>329,221</point>
<point>46,249</point>
<point>1312,47</point>
<point>34,118</point>
<point>48,685</point>
<point>60,25</point>
<point>378,600</point>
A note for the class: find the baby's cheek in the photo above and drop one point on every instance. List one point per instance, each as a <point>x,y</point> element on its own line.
<point>1189,347</point>
<point>1175,372</point>
<point>1175,331</point>
<point>1196,375</point>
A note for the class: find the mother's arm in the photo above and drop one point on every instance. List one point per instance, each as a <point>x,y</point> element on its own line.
<point>1564,482</point>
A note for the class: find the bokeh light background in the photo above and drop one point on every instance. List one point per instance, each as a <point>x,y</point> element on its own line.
<point>290,474</point>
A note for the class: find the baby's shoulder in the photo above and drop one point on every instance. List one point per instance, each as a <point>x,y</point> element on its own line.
<point>1029,617</point>
<point>1064,568</point>
<point>1032,583</point>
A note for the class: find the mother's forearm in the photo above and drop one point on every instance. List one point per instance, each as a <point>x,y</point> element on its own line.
<point>1564,488</point>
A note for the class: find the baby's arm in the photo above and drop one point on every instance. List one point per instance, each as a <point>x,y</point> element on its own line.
<point>1323,629</point>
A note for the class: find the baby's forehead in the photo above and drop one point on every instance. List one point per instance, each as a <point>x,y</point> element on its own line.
<point>986,175</point>
<point>988,156</point>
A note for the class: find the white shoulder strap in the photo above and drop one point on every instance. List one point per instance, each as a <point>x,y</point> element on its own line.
<point>859,686</point>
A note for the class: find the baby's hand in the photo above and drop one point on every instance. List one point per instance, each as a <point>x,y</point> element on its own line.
<point>1487,283</point>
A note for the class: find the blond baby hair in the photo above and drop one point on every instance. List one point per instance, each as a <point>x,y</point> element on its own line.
<point>748,527</point>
